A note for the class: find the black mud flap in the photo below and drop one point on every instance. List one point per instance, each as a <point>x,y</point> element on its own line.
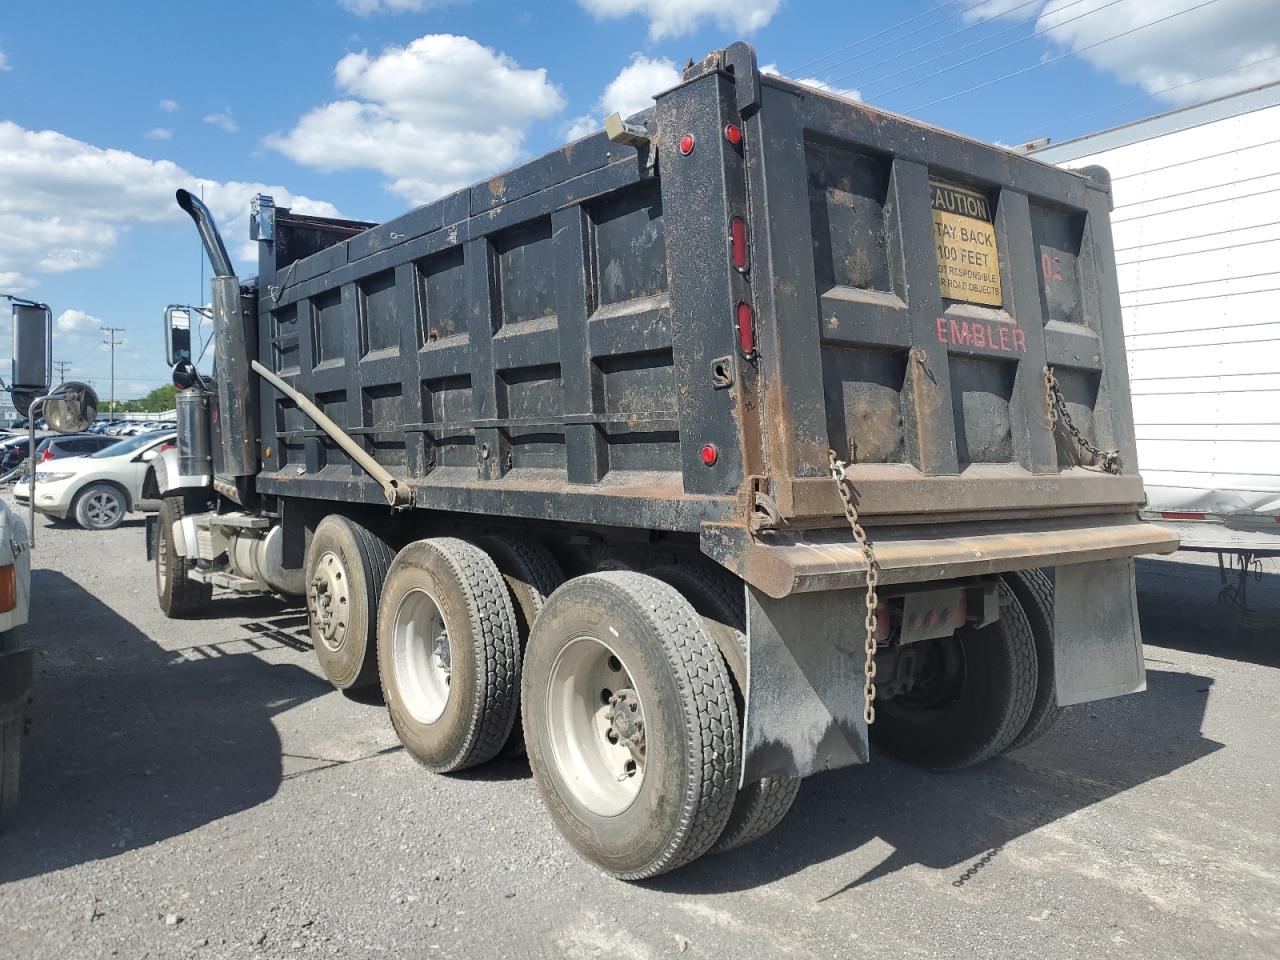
<point>1097,642</point>
<point>150,535</point>
<point>804,689</point>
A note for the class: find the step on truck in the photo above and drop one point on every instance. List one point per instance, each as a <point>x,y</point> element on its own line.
<point>688,458</point>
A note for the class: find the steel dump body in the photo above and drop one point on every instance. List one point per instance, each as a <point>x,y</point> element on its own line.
<point>565,342</point>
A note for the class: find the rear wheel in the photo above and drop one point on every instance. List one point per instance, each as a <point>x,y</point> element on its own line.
<point>100,506</point>
<point>449,652</point>
<point>532,574</point>
<point>630,724</point>
<point>179,595</point>
<point>970,695</point>
<point>1034,591</point>
<point>346,566</point>
<point>760,805</point>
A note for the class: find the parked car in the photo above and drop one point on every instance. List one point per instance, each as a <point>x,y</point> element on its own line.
<point>95,490</point>
<point>70,445</point>
<point>13,450</point>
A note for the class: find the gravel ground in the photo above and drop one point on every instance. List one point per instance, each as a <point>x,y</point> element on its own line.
<point>196,790</point>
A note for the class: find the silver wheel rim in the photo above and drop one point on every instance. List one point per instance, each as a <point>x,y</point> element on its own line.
<point>422,656</point>
<point>102,508</point>
<point>596,723</point>
<point>329,600</point>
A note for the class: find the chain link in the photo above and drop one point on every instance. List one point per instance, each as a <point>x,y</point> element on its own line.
<point>873,578</point>
<point>1109,460</point>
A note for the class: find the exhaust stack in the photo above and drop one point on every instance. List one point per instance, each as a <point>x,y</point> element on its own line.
<point>213,245</point>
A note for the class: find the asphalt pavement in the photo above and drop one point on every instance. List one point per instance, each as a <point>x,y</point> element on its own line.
<point>195,789</point>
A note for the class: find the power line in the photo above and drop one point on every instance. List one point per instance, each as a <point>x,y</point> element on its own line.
<point>1148,96</point>
<point>1003,46</point>
<point>888,29</point>
<point>1063,56</point>
<point>972,43</point>
<point>63,366</point>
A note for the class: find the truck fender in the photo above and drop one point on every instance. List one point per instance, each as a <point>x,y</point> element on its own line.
<point>164,476</point>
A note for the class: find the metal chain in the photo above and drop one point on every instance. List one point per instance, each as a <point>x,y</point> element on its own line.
<point>873,578</point>
<point>1109,460</point>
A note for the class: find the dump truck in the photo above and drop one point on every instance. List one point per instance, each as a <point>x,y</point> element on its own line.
<point>688,459</point>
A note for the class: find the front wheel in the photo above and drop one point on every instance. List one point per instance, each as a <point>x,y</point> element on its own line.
<point>630,723</point>
<point>100,506</point>
<point>179,595</point>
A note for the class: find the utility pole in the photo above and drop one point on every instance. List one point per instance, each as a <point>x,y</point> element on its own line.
<point>62,366</point>
<point>112,342</point>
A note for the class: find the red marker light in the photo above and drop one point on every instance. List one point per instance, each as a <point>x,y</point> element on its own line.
<point>710,455</point>
<point>746,329</point>
<point>738,243</point>
<point>733,133</point>
<point>686,144</point>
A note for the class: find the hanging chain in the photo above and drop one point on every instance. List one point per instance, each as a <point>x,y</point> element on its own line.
<point>1109,460</point>
<point>873,577</point>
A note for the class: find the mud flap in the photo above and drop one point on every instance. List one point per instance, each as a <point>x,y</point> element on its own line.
<point>804,684</point>
<point>1097,642</point>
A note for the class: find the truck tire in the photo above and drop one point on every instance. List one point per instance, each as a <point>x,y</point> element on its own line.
<point>532,574</point>
<point>717,596</point>
<point>975,700</point>
<point>630,724</point>
<point>100,506</point>
<point>345,570</point>
<point>180,597</point>
<point>449,651</point>
<point>1034,591</point>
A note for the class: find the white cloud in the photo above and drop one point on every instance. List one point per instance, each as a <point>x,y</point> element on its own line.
<point>4,62</point>
<point>851,92</point>
<point>364,8</point>
<point>13,282</point>
<point>77,322</point>
<point>433,116</point>
<point>64,203</point>
<point>673,18</point>
<point>222,120</point>
<point>168,106</point>
<point>159,133</point>
<point>629,92</point>
<point>1218,38</point>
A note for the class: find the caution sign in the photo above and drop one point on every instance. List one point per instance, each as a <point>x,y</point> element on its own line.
<point>968,262</point>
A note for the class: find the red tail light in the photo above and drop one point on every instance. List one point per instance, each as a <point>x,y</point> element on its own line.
<point>738,244</point>
<point>746,329</point>
<point>170,445</point>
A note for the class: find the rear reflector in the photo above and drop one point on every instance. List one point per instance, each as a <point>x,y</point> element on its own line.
<point>8,588</point>
<point>733,133</point>
<point>738,243</point>
<point>1175,515</point>
<point>686,144</point>
<point>746,329</point>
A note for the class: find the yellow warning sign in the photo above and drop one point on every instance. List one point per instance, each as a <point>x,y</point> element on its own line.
<point>968,262</point>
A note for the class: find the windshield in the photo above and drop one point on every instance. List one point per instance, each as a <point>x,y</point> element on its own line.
<point>131,445</point>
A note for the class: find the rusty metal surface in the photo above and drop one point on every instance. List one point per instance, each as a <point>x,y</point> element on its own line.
<point>782,564</point>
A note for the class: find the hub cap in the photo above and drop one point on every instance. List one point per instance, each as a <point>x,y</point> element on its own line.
<point>596,722</point>
<point>329,599</point>
<point>102,508</point>
<point>422,657</point>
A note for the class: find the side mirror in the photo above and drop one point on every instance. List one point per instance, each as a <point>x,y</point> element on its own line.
<point>32,353</point>
<point>70,408</point>
<point>177,334</point>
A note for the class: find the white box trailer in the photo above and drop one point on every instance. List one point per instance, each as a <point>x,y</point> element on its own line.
<point>1197,236</point>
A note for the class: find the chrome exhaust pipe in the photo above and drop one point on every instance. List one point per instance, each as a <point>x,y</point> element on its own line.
<point>213,244</point>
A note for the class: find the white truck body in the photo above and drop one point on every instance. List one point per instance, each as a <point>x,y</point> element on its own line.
<point>1197,237</point>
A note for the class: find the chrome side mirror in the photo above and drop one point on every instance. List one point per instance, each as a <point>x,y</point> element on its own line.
<point>177,334</point>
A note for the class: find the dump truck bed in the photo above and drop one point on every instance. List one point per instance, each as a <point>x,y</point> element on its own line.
<point>672,333</point>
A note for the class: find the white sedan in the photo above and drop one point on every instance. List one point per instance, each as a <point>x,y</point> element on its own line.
<point>98,490</point>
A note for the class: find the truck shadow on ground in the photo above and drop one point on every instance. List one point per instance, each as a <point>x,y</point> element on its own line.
<point>130,744</point>
<point>959,822</point>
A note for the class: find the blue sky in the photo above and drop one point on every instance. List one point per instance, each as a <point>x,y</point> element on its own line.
<point>366,107</point>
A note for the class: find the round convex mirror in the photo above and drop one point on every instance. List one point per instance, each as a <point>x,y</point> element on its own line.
<point>71,407</point>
